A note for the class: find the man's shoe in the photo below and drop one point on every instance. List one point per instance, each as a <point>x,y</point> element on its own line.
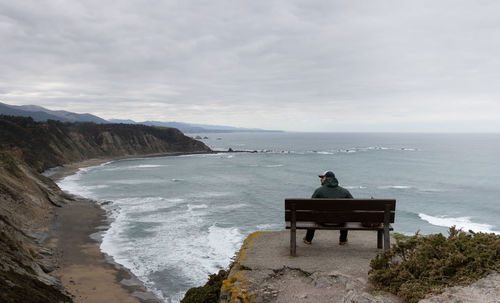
<point>307,242</point>
<point>343,242</point>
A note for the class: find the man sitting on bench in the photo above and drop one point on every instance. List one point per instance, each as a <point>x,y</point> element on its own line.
<point>329,189</point>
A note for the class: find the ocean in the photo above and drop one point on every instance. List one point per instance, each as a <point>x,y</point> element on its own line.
<point>175,220</point>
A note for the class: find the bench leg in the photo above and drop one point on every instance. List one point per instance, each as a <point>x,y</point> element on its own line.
<point>379,238</point>
<point>387,238</point>
<point>293,230</point>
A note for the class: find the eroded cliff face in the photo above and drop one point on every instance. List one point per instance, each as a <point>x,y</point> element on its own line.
<point>27,201</point>
<point>27,198</point>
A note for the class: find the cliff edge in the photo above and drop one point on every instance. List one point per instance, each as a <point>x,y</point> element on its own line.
<point>264,271</point>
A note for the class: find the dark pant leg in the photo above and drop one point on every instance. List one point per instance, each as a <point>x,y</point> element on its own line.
<point>343,236</point>
<point>310,234</point>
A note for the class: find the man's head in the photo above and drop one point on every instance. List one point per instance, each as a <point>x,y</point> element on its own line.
<point>327,174</point>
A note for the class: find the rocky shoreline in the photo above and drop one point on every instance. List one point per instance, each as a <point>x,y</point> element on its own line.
<point>44,232</point>
<point>74,236</point>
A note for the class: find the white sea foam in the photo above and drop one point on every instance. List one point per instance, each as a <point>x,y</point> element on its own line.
<point>98,186</point>
<point>341,150</point>
<point>361,149</point>
<point>267,165</point>
<point>377,148</point>
<point>133,167</point>
<point>192,207</point>
<point>137,181</point>
<point>230,238</point>
<point>269,226</point>
<point>268,151</point>
<point>150,166</point>
<point>183,244</point>
<point>369,148</point>
<point>137,205</point>
<point>233,206</point>
<point>202,155</point>
<point>209,194</point>
<point>395,187</point>
<point>463,223</point>
<point>355,187</point>
<point>430,190</point>
<point>106,163</point>
<point>113,169</point>
<point>71,184</point>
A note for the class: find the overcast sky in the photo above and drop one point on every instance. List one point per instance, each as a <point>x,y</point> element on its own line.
<point>292,65</point>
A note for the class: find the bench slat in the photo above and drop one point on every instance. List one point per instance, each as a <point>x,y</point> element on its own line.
<point>340,204</point>
<point>376,217</point>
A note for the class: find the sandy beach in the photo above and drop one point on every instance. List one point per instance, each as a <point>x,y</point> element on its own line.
<point>85,272</point>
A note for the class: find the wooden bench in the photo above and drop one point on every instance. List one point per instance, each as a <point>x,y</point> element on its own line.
<point>307,213</point>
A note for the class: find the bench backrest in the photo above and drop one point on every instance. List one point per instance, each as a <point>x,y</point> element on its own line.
<point>341,210</point>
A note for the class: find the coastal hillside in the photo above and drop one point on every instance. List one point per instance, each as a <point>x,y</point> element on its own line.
<point>53,143</point>
<point>27,198</point>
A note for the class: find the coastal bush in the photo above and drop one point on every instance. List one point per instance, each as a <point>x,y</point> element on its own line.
<point>208,293</point>
<point>419,265</point>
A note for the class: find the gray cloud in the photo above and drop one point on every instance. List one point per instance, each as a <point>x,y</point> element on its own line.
<point>295,65</point>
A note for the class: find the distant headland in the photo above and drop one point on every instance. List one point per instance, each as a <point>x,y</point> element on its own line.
<point>42,114</point>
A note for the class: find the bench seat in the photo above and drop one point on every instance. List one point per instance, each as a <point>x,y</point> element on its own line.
<point>347,226</point>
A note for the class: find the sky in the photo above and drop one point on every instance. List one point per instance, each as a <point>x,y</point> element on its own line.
<point>368,65</point>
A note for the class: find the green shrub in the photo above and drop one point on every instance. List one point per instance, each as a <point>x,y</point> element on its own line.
<point>419,265</point>
<point>209,293</point>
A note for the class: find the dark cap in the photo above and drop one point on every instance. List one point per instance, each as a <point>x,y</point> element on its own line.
<point>328,174</point>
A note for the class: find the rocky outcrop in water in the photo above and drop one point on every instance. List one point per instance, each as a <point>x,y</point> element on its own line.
<point>27,198</point>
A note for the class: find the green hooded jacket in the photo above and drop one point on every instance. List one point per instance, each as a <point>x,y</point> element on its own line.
<point>331,189</point>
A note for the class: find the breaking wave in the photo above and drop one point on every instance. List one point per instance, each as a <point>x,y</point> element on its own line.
<point>463,223</point>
